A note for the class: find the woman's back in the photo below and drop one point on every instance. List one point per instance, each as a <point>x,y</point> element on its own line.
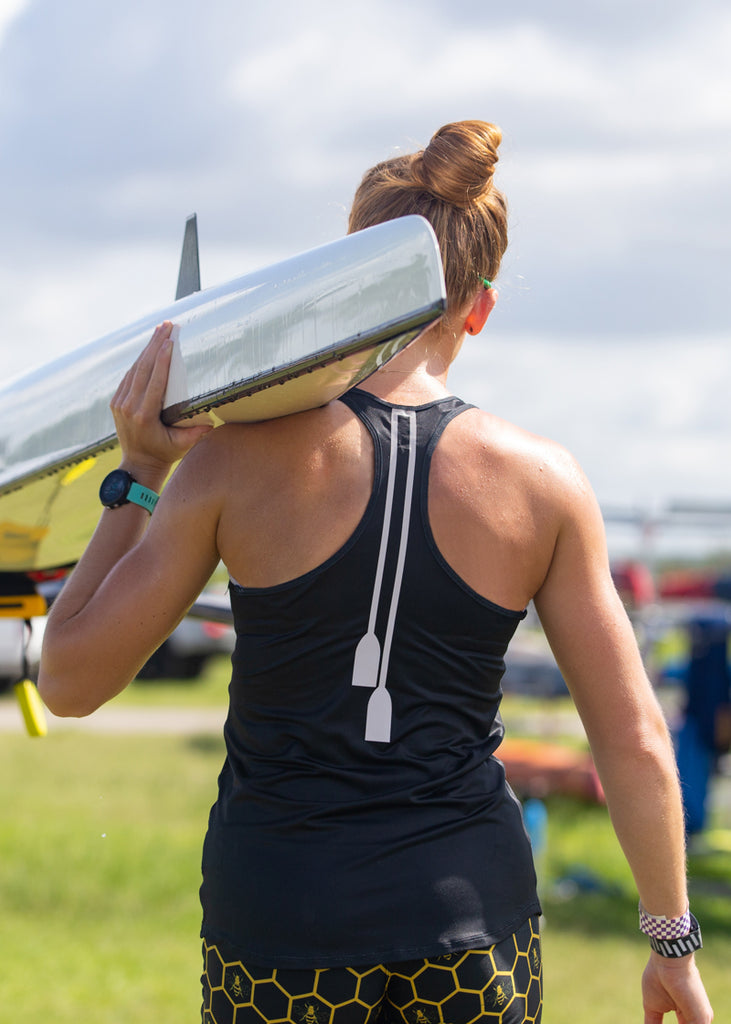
<point>302,485</point>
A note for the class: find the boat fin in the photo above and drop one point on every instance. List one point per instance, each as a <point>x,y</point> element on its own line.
<point>189,275</point>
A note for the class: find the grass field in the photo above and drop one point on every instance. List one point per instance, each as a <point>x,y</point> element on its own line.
<point>100,843</point>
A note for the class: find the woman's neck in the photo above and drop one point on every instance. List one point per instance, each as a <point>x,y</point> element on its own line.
<point>419,372</point>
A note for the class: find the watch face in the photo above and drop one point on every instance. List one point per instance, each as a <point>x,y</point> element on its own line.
<point>114,488</point>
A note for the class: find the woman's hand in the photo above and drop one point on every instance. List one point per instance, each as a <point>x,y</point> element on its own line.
<point>149,447</point>
<point>139,574</point>
<point>669,986</point>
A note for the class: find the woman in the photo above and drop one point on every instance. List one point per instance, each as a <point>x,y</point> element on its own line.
<point>365,852</point>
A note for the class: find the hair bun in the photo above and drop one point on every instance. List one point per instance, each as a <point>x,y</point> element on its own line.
<point>459,162</point>
<point>450,183</point>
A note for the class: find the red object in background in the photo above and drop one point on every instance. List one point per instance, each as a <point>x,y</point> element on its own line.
<point>48,575</point>
<point>215,630</point>
<point>634,584</point>
<point>536,767</point>
<point>686,583</point>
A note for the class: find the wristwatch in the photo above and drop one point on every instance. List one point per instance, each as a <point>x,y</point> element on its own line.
<point>682,946</point>
<point>120,487</point>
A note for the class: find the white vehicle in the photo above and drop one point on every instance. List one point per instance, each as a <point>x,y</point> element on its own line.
<point>182,656</point>
<point>186,651</point>
<point>14,637</point>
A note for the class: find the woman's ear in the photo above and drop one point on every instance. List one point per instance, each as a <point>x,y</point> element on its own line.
<point>482,306</point>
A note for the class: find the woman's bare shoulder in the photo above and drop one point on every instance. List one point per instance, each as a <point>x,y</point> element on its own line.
<point>499,445</point>
<point>259,454</point>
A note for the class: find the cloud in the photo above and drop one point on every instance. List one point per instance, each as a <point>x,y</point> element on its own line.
<point>117,121</point>
<point>648,419</point>
<point>673,81</point>
<point>9,11</point>
<point>614,156</point>
<point>70,297</point>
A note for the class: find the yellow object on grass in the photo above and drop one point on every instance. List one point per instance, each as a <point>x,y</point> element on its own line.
<point>31,705</point>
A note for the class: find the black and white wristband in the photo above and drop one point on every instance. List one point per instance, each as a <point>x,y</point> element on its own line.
<point>672,937</point>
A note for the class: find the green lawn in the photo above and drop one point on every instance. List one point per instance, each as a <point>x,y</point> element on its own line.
<point>210,689</point>
<point>100,843</point>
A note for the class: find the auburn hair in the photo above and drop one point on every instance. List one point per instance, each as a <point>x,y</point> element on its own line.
<point>450,183</point>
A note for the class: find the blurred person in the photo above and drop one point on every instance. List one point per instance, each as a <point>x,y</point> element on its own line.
<point>703,733</point>
<point>365,851</point>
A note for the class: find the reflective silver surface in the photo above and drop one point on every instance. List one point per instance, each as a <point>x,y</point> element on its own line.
<point>286,338</point>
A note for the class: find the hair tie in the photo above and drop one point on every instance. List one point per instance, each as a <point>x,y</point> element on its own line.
<point>487,284</point>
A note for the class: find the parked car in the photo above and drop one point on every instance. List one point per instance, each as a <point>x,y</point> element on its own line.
<point>530,667</point>
<point>185,652</point>
<point>182,656</point>
<point>14,636</point>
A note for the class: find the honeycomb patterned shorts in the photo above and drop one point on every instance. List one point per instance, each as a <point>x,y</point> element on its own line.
<point>502,984</point>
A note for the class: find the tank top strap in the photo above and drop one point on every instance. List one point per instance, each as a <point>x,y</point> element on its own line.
<point>431,418</point>
<point>397,428</point>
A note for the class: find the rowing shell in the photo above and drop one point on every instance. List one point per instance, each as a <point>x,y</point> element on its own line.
<point>287,338</point>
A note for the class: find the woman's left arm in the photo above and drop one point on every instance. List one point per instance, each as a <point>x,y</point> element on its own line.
<point>139,574</point>
<point>595,648</point>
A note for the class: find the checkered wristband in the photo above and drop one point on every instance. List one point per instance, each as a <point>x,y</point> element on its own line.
<point>674,936</point>
<point>665,927</point>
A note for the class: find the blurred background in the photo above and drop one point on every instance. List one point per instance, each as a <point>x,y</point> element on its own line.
<point>611,335</point>
<point>118,120</point>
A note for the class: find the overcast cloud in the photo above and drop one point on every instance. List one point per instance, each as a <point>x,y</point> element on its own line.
<point>118,120</point>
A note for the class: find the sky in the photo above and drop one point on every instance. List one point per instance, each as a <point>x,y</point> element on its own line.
<point>611,333</point>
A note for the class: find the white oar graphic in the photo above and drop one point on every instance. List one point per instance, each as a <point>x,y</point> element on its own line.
<point>368,651</point>
<point>378,716</point>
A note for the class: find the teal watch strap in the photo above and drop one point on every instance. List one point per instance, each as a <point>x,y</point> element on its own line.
<point>143,496</point>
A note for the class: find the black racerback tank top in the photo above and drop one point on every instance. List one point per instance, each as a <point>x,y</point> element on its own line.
<point>362,815</point>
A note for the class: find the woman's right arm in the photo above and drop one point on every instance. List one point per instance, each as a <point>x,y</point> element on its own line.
<point>139,574</point>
